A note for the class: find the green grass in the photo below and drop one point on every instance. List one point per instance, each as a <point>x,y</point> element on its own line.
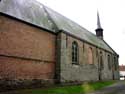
<point>84,88</point>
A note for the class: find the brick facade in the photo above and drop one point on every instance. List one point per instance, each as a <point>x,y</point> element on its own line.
<point>15,68</point>
<point>29,52</point>
<point>25,51</point>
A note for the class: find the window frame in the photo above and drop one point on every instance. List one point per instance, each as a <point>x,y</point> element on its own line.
<point>75,53</point>
<point>101,60</point>
<point>115,63</point>
<point>109,62</point>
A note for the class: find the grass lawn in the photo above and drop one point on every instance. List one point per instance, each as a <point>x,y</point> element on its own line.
<point>76,89</point>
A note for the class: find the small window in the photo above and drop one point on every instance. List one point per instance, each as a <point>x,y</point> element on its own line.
<point>115,63</point>
<point>74,53</point>
<point>109,63</point>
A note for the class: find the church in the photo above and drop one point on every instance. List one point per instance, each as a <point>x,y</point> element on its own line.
<point>36,42</point>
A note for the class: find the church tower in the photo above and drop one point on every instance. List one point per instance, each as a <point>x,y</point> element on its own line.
<point>99,30</point>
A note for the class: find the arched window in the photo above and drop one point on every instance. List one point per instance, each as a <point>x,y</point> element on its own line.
<point>90,56</point>
<point>109,63</point>
<point>75,53</point>
<point>115,63</point>
<point>101,61</point>
<point>96,52</point>
<point>83,48</point>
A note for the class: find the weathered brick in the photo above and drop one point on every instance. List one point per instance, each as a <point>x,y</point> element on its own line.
<point>26,52</point>
<point>23,40</point>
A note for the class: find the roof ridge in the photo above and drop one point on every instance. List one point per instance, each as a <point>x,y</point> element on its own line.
<point>68,19</point>
<point>55,27</point>
<point>44,6</point>
<point>85,30</point>
<point>71,21</point>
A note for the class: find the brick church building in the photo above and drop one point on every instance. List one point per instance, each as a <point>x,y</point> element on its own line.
<point>38,43</point>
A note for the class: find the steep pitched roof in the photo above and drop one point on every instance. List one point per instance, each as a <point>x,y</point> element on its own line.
<point>33,12</point>
<point>27,10</point>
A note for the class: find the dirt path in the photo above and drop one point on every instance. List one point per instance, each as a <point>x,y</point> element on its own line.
<point>117,88</point>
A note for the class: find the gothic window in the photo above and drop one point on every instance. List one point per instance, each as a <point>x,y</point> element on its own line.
<point>101,61</point>
<point>83,48</point>
<point>109,65</point>
<point>75,51</point>
<point>66,41</point>
<point>96,52</point>
<point>90,56</point>
<point>115,63</point>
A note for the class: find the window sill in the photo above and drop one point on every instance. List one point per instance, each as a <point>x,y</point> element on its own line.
<point>75,64</point>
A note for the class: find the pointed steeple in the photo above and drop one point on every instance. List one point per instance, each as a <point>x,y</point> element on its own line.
<point>99,30</point>
<point>98,20</point>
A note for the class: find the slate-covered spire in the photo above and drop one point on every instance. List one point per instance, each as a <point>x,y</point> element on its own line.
<point>99,30</point>
<point>98,20</point>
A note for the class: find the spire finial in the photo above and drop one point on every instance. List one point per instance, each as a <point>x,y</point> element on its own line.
<point>98,21</point>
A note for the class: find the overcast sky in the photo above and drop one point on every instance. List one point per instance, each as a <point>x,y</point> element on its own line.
<point>84,12</point>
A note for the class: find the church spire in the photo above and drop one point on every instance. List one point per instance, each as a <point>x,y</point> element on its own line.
<point>99,30</point>
<point>98,20</point>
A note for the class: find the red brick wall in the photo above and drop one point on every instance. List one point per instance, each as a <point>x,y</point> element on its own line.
<point>22,40</point>
<point>14,68</point>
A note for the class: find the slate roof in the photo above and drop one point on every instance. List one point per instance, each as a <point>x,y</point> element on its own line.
<point>35,13</point>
